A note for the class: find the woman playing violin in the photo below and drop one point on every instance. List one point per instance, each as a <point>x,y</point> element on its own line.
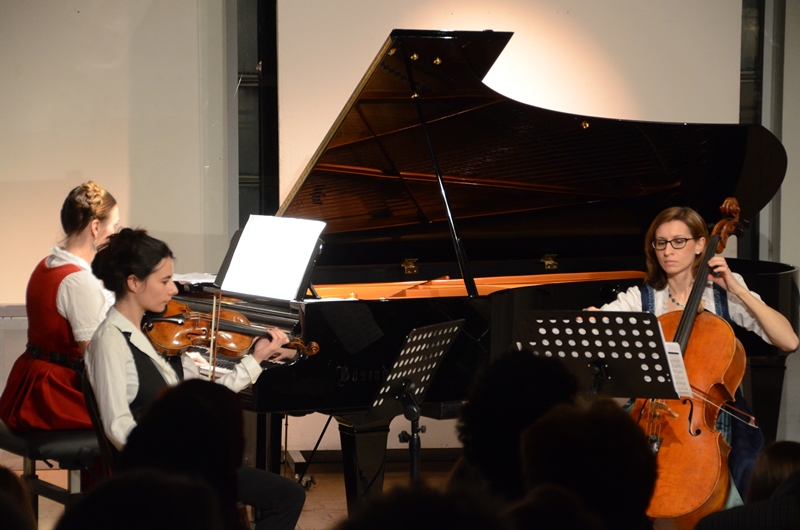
<point>674,248</point>
<point>127,374</point>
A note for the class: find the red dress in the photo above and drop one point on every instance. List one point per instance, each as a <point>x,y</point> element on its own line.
<point>43,391</point>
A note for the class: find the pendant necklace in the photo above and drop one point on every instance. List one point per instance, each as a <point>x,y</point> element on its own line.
<point>676,302</point>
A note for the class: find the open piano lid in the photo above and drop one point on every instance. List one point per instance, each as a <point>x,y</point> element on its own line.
<point>521,181</point>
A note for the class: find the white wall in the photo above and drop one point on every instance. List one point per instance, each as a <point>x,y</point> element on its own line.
<point>128,93</point>
<point>789,423</point>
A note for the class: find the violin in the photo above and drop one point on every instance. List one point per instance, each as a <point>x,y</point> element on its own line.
<point>692,456</point>
<point>178,328</point>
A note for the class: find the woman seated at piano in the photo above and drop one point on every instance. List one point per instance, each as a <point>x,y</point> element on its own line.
<point>674,249</point>
<point>65,303</point>
<point>127,374</point>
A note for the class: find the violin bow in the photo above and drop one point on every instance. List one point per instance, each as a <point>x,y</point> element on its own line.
<point>212,353</point>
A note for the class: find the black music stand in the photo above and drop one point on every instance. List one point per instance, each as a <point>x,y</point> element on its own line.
<point>409,378</point>
<point>619,354</point>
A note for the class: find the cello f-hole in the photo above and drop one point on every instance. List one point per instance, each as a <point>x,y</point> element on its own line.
<point>695,432</point>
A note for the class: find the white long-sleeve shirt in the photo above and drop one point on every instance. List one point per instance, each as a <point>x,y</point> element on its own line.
<point>112,372</point>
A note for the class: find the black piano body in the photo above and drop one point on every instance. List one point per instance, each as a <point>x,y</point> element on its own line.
<point>430,181</point>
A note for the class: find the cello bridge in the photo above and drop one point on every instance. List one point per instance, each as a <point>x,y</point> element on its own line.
<point>660,406</point>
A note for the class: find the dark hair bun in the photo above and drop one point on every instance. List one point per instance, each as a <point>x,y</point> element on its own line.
<point>128,252</point>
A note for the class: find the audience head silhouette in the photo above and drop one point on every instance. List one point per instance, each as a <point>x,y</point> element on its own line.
<point>148,499</point>
<point>194,429</point>
<point>781,511</point>
<point>598,453</point>
<point>16,511</point>
<point>549,507</point>
<point>773,495</point>
<point>773,466</point>
<point>422,508</point>
<point>508,396</point>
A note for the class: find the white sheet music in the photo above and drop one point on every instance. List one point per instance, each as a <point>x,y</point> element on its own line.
<point>679,377</point>
<point>271,256</point>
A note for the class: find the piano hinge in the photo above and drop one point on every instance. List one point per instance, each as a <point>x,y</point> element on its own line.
<point>409,265</point>
<point>549,261</point>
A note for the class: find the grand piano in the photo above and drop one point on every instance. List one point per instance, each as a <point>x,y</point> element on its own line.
<point>445,200</point>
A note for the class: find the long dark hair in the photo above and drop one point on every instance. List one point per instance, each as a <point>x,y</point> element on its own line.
<point>655,274</point>
<point>131,251</point>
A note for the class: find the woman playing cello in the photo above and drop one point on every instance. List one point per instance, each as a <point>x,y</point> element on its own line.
<point>675,245</point>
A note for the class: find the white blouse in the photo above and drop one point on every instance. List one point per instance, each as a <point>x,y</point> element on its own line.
<point>112,372</point>
<point>81,298</point>
<point>631,300</point>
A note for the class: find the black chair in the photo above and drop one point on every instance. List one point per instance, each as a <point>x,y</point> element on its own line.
<point>108,452</point>
<point>73,450</point>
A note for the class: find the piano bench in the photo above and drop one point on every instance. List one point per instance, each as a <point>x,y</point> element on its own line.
<point>71,450</point>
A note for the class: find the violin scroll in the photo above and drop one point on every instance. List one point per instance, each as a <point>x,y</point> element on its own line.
<point>296,343</point>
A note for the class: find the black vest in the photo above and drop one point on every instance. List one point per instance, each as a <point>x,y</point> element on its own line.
<point>151,382</point>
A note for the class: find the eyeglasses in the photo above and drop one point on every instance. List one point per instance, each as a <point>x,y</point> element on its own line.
<point>677,243</point>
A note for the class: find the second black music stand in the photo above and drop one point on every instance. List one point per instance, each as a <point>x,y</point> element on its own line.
<point>409,379</point>
<point>619,354</point>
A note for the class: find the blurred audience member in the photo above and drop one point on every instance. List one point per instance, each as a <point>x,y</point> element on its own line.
<point>550,507</point>
<point>422,508</point>
<point>508,396</point>
<point>773,495</point>
<point>16,511</point>
<point>773,466</point>
<point>599,454</point>
<point>145,499</point>
<point>195,429</point>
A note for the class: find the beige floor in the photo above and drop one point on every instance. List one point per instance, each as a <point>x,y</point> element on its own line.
<point>325,501</point>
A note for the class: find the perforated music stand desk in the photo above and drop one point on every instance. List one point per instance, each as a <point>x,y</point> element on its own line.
<point>618,354</point>
<point>401,392</point>
<point>413,369</point>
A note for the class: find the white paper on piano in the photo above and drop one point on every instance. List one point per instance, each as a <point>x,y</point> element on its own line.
<point>272,256</point>
<point>194,277</point>
<point>679,377</point>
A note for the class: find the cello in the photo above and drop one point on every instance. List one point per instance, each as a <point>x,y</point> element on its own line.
<point>691,454</point>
